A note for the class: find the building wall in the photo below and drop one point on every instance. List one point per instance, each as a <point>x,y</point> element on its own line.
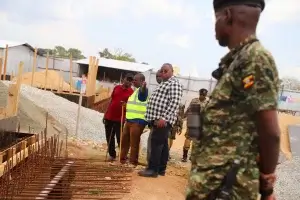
<point>22,53</point>
<point>15,56</point>
<point>191,85</point>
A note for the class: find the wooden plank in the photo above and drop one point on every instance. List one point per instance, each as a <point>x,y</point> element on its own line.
<point>1,63</point>
<point>24,152</point>
<point>19,150</point>
<point>13,95</point>
<point>11,100</point>
<point>5,62</point>
<point>19,82</point>
<point>46,72</point>
<point>71,74</point>
<point>33,66</point>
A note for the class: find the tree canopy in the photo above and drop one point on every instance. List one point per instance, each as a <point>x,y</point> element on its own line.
<point>62,52</point>
<point>117,54</point>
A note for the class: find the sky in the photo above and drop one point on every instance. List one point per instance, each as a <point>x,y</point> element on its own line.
<point>180,32</point>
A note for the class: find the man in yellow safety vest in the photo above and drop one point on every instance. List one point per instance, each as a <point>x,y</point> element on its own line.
<point>135,121</point>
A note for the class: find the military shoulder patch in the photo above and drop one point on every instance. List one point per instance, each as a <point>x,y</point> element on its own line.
<point>248,81</point>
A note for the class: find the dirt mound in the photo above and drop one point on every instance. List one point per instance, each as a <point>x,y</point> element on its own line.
<point>54,80</point>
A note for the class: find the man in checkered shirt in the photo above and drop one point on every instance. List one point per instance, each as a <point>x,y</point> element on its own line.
<point>161,114</point>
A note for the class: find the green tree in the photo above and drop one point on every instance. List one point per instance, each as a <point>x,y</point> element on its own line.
<point>118,54</point>
<point>61,51</point>
<point>76,53</point>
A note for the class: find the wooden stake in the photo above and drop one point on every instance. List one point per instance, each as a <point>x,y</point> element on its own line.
<point>71,74</point>
<point>59,83</point>
<point>121,131</point>
<point>5,62</point>
<point>33,66</point>
<point>1,62</point>
<point>46,72</point>
<point>19,81</point>
<point>89,77</point>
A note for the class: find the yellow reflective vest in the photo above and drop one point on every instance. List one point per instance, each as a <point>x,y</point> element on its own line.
<point>135,109</point>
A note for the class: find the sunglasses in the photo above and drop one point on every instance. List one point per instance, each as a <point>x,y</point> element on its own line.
<point>164,71</point>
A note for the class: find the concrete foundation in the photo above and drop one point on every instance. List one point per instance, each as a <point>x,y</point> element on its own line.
<point>9,124</point>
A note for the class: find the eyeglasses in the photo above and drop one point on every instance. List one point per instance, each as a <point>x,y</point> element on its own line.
<point>164,71</point>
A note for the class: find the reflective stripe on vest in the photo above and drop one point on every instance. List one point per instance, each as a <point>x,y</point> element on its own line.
<point>135,109</point>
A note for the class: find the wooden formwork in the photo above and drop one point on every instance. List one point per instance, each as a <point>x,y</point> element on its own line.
<point>19,151</point>
<point>11,109</point>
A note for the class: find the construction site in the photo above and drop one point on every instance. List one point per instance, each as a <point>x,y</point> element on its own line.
<point>47,152</point>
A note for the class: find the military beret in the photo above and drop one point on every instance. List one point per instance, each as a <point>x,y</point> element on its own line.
<point>203,91</point>
<point>218,4</point>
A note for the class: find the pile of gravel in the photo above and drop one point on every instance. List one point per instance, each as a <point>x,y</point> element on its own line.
<point>288,180</point>
<point>65,112</point>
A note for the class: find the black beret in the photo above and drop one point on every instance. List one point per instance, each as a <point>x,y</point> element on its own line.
<point>218,4</point>
<point>203,91</point>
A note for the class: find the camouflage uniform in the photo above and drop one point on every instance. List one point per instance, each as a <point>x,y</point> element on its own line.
<point>188,140</point>
<point>248,83</point>
<point>177,128</point>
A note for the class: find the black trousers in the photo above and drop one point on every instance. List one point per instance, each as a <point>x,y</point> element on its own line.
<point>159,152</point>
<point>112,131</point>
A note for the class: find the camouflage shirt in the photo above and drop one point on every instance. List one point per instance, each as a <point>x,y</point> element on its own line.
<point>202,106</point>
<point>249,83</point>
<point>177,127</point>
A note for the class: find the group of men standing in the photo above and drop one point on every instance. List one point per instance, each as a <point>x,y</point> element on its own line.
<point>236,152</point>
<point>159,112</point>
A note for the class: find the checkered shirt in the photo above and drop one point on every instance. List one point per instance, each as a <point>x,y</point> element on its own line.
<point>164,101</point>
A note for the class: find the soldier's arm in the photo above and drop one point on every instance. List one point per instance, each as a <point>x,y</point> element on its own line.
<point>187,110</point>
<point>261,85</point>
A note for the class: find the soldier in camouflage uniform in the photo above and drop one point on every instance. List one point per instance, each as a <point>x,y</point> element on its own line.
<point>239,145</point>
<point>202,100</point>
<point>177,128</point>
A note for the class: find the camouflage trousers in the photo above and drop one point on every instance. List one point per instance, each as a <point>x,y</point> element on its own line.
<point>187,142</point>
<point>203,180</point>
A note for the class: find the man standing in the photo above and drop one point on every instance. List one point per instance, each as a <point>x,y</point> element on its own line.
<point>135,121</point>
<point>202,100</point>
<point>162,108</point>
<point>177,128</point>
<point>239,144</point>
<point>112,117</point>
<point>158,80</point>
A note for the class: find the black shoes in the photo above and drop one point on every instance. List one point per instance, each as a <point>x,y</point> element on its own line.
<point>148,173</point>
<point>151,173</point>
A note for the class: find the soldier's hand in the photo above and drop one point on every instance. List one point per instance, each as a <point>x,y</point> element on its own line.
<point>271,197</point>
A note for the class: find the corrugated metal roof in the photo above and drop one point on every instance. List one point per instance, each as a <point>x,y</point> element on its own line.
<point>3,43</point>
<point>118,64</point>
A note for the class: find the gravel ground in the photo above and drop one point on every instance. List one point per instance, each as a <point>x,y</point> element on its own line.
<point>288,182</point>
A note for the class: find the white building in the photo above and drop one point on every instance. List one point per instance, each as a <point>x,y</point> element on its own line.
<point>24,52</point>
